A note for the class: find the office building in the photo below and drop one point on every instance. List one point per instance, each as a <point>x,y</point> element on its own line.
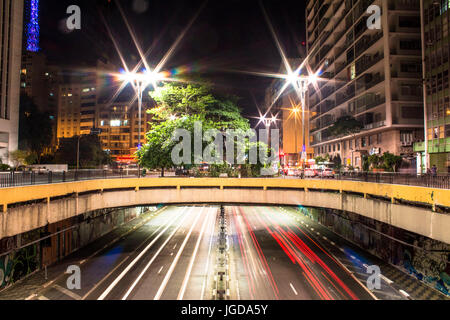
<point>11,28</point>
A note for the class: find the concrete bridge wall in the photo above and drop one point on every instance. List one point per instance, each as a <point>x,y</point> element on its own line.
<point>63,201</point>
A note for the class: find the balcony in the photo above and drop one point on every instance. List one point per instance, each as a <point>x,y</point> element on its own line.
<point>369,104</point>
<point>375,125</point>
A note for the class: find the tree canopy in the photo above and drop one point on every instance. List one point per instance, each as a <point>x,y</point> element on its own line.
<point>346,125</point>
<point>180,106</point>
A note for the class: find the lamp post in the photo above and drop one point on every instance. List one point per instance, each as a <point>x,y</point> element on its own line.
<point>301,83</point>
<point>268,122</point>
<point>295,111</point>
<point>140,81</point>
<point>78,152</point>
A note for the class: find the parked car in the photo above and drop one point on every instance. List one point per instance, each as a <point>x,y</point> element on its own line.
<point>326,173</point>
<point>291,172</point>
<point>182,172</point>
<point>310,173</point>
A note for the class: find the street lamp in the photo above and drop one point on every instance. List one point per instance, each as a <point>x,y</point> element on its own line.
<point>268,121</point>
<point>300,84</point>
<point>295,111</point>
<point>140,81</point>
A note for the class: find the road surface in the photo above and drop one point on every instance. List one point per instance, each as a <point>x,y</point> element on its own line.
<point>174,256</point>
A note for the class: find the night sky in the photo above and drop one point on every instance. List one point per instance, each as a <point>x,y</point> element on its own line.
<point>227,35</point>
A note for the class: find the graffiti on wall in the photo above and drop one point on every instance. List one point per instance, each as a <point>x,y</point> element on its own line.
<point>425,258</point>
<point>18,264</point>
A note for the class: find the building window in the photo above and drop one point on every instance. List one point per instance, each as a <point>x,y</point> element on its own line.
<point>412,112</point>
<point>413,44</point>
<point>379,140</point>
<point>406,136</point>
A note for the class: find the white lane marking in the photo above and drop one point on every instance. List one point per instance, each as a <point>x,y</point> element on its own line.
<point>124,272</point>
<point>171,254</point>
<point>31,297</point>
<point>152,260</point>
<point>333,243</point>
<point>67,292</point>
<point>211,226</point>
<point>404,293</point>
<point>177,257</point>
<point>353,257</point>
<point>175,246</point>
<point>389,281</point>
<point>293,289</point>
<point>160,270</point>
<point>191,262</point>
<point>43,298</point>
<point>324,238</point>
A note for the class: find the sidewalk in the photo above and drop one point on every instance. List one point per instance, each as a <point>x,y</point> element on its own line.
<point>27,287</point>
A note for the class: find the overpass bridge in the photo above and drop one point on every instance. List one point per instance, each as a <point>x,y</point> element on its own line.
<point>421,210</point>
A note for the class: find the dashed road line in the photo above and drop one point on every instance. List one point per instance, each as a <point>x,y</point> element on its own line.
<point>293,289</point>
<point>67,292</point>
<point>404,293</point>
<point>160,270</point>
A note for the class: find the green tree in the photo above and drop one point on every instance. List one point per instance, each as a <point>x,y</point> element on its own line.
<point>319,159</point>
<point>180,107</point>
<point>346,125</point>
<point>91,152</point>
<point>391,162</point>
<point>35,128</point>
<point>365,163</point>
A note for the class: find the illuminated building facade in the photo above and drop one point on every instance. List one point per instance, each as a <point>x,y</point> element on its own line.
<point>372,75</point>
<point>11,29</point>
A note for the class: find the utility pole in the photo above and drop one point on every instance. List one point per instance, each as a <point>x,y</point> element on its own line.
<point>78,152</point>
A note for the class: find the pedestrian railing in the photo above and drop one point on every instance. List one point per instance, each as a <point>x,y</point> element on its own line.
<point>26,178</point>
<point>16,179</point>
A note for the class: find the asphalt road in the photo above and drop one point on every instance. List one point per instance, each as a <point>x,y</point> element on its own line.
<point>174,256</point>
<point>276,258</point>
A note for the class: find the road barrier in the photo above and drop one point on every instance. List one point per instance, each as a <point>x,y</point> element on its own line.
<point>26,178</point>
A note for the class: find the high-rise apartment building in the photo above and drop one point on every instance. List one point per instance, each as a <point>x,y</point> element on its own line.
<point>435,17</point>
<point>11,19</point>
<point>33,79</point>
<point>87,104</point>
<point>372,75</point>
<point>78,95</point>
<point>118,122</point>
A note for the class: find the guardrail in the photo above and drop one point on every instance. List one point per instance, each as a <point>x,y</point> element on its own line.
<point>429,181</point>
<point>17,179</point>
<point>27,178</point>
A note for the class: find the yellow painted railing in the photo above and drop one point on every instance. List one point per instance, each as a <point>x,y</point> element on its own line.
<point>430,196</point>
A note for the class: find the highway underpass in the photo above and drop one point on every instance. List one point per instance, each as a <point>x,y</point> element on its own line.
<point>191,250</point>
<point>174,256</point>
